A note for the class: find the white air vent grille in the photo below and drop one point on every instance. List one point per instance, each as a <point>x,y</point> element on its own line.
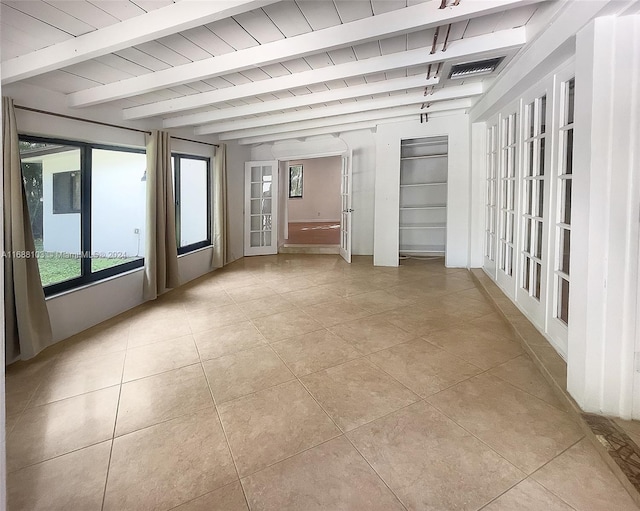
<point>480,67</point>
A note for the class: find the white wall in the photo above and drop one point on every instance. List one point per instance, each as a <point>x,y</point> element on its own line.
<point>237,155</point>
<point>603,307</point>
<point>387,186</point>
<point>361,144</point>
<point>320,201</point>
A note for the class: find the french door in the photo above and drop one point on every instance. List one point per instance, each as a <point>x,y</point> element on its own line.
<point>261,208</point>
<point>346,202</point>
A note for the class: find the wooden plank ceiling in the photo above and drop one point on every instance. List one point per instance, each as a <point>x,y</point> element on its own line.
<point>261,70</point>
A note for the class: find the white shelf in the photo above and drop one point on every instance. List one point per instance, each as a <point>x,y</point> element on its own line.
<point>422,249</point>
<point>423,226</point>
<point>423,197</point>
<point>415,208</point>
<point>443,183</point>
<point>423,157</point>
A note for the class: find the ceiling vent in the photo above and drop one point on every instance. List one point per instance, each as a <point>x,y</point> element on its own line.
<point>480,67</point>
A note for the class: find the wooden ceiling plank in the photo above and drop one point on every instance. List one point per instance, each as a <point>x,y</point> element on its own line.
<point>352,10</point>
<point>320,15</point>
<point>52,16</point>
<point>460,91</point>
<point>148,27</point>
<point>466,47</point>
<point>384,25</point>
<point>258,24</point>
<point>233,34</point>
<point>289,19</point>
<point>85,11</point>
<point>399,109</point>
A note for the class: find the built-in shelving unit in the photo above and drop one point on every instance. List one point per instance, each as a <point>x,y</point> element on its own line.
<point>423,196</point>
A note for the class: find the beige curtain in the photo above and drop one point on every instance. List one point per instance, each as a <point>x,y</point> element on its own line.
<point>220,220</point>
<point>27,325</point>
<point>161,250</point>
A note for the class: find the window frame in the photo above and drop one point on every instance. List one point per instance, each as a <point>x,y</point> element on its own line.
<point>86,275</point>
<point>208,242</point>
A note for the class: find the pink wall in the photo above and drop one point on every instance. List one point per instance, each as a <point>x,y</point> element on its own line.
<point>320,200</point>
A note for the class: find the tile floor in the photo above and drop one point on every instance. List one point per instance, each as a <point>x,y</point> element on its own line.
<point>299,383</point>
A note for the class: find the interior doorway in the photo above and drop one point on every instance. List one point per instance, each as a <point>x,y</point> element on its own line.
<point>311,209</point>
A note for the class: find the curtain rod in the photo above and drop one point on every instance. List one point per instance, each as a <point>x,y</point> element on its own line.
<point>99,123</point>
<point>195,141</point>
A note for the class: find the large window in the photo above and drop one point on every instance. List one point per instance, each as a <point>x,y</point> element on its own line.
<point>86,205</point>
<point>192,175</point>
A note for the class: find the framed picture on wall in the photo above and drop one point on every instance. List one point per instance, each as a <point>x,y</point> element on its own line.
<point>295,182</point>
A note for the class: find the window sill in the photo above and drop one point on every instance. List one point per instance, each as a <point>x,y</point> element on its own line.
<point>92,284</point>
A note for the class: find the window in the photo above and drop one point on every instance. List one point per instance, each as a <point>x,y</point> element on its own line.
<point>492,189</point>
<point>295,182</point>
<point>192,177</point>
<point>563,221</point>
<point>508,190</point>
<point>533,196</point>
<point>86,206</point>
<point>66,192</point>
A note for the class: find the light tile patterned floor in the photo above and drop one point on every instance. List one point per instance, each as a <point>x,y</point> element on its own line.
<point>299,383</point>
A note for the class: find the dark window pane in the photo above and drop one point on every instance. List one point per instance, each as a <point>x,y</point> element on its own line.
<point>565,247</point>
<point>530,158</point>
<point>539,240</point>
<point>542,115</point>
<point>568,152</point>
<point>512,162</point>
<point>53,187</point>
<point>66,192</point>
<point>541,160</point>
<point>193,200</point>
<point>527,235</point>
<point>540,199</point>
<point>563,300</point>
<point>566,217</point>
<point>117,232</point>
<point>537,280</point>
<point>526,273</point>
<point>570,100</point>
<point>531,120</point>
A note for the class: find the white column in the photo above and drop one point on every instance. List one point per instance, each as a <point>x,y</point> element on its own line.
<point>605,216</point>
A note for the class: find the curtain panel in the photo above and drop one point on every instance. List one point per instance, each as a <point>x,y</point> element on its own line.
<point>220,220</point>
<point>27,323</point>
<point>161,251</point>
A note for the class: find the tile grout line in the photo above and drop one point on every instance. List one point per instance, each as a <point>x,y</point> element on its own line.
<point>115,423</point>
<point>583,437</point>
<point>344,433</point>
<point>224,432</point>
<point>530,476</point>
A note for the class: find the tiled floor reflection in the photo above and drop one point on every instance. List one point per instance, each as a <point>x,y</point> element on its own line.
<point>300,382</point>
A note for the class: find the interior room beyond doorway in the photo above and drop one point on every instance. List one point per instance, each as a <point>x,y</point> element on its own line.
<point>313,201</point>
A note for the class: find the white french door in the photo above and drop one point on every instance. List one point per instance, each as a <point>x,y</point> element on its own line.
<point>260,208</point>
<point>508,190</point>
<point>345,215</point>
<point>532,286</point>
